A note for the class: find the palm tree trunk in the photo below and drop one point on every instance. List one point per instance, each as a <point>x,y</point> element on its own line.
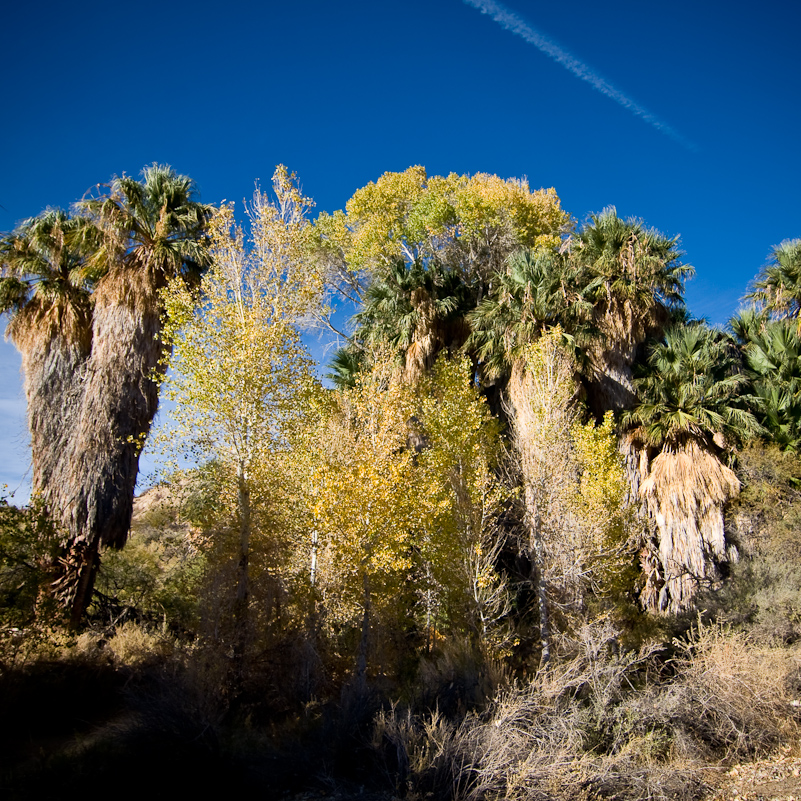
<point>636,461</point>
<point>87,562</point>
<point>613,384</point>
<point>120,398</point>
<point>54,355</point>
<point>686,491</point>
<point>53,391</point>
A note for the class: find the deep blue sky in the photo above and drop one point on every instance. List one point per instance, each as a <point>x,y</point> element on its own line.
<point>341,93</point>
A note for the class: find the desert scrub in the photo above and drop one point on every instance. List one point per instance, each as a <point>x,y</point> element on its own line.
<point>732,696</point>
<point>604,723</point>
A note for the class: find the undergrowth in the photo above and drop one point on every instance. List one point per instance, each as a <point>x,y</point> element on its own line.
<point>137,705</point>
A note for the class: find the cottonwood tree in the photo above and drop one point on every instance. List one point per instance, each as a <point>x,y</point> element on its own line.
<point>542,398</point>
<point>427,248</point>
<point>240,371</point>
<point>404,500</point>
<point>460,545</point>
<point>573,480</point>
<point>363,504</point>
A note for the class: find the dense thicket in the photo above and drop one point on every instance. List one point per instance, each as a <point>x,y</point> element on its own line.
<point>532,470</point>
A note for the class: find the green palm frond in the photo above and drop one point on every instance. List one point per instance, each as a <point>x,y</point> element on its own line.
<point>42,263</point>
<point>537,291</point>
<point>407,299</point>
<point>627,262</point>
<point>777,289</point>
<point>691,387</point>
<point>155,225</point>
<point>772,352</point>
<point>345,366</point>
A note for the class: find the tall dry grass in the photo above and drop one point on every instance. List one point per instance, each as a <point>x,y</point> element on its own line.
<point>600,723</point>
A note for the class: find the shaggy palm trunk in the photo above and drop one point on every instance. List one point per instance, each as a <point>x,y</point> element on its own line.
<point>54,354</point>
<point>53,390</point>
<point>119,402</point>
<point>685,490</point>
<point>613,384</point>
<point>426,343</point>
<point>81,562</point>
<point>635,460</point>
<point>624,329</point>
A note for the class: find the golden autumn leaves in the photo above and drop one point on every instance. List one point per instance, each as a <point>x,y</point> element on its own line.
<point>380,502</point>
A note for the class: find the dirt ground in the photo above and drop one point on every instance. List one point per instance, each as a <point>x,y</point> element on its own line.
<point>777,779</point>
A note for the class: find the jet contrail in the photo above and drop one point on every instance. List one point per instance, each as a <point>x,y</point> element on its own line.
<point>511,22</point>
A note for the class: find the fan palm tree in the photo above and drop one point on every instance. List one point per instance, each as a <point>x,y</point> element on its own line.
<point>148,232</point>
<point>634,279</point>
<point>538,290</point>
<point>417,309</point>
<point>772,354</point>
<point>778,287</point>
<point>345,365</point>
<point>44,290</point>
<point>687,417</point>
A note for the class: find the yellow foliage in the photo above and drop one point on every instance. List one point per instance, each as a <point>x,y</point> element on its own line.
<point>403,499</point>
<point>357,478</point>
<point>603,483</point>
<point>574,481</point>
<point>240,375</point>
<point>409,215</point>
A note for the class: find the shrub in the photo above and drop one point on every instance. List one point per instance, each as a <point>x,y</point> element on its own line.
<point>601,723</point>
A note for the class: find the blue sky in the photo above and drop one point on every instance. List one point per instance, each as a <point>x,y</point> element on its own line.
<point>341,93</point>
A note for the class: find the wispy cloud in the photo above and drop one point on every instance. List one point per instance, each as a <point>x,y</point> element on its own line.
<point>513,23</point>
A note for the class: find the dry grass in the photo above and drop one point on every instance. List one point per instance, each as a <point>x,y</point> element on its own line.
<point>603,724</point>
<point>599,723</point>
<point>734,698</point>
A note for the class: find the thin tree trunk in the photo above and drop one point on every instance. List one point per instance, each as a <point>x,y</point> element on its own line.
<point>243,586</point>
<point>241,600</point>
<point>537,552</point>
<point>364,642</point>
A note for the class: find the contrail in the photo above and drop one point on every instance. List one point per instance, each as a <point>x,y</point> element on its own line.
<point>511,22</point>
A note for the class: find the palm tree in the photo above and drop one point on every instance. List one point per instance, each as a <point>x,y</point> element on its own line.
<point>538,290</point>
<point>416,309</point>
<point>148,233</point>
<point>345,365</point>
<point>634,279</point>
<point>778,287</point>
<point>686,419</point>
<point>45,291</point>
<point>772,354</point>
